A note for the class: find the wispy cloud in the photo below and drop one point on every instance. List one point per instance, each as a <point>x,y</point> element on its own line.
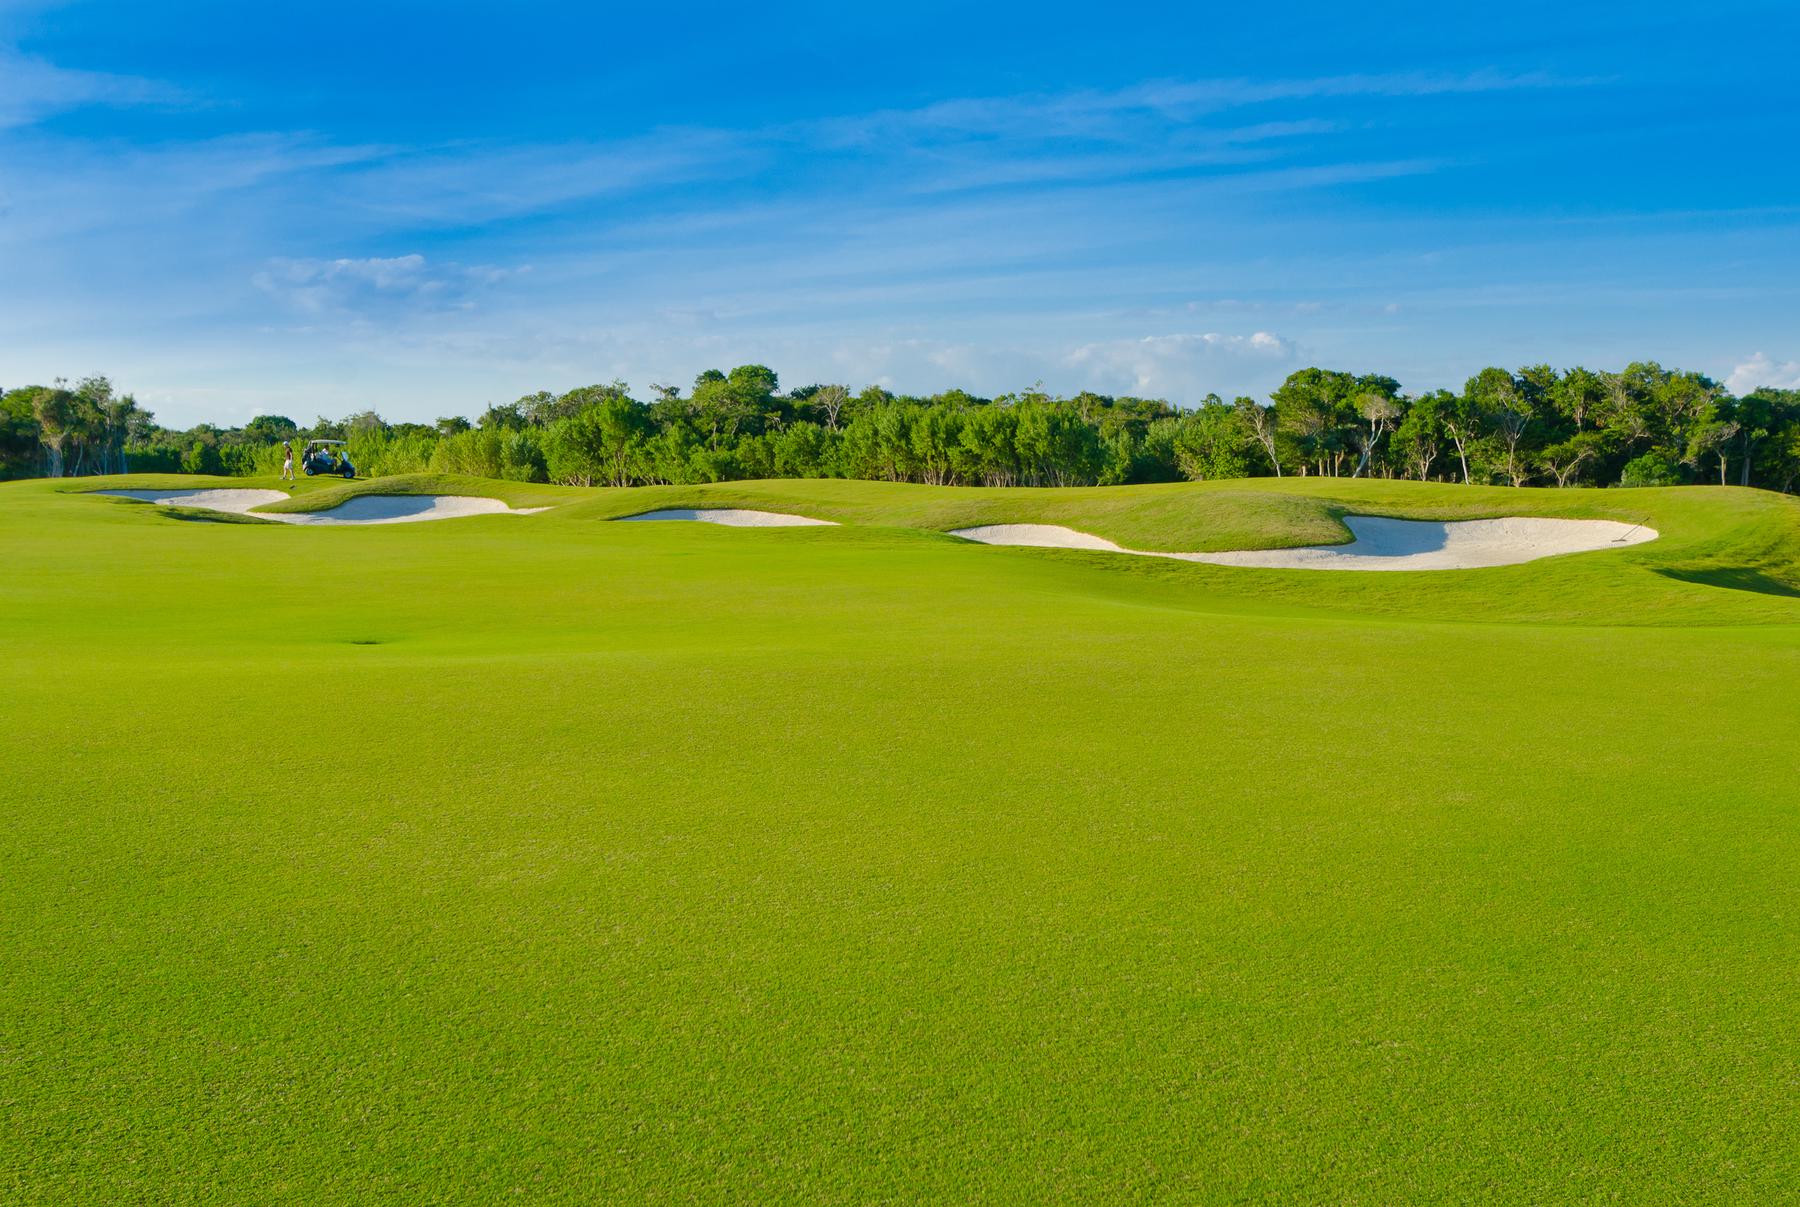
<point>473,183</point>
<point>78,187</point>
<point>1178,98</point>
<point>982,241</point>
<point>33,89</point>
<point>979,165</point>
<point>1076,139</point>
<point>1118,113</point>
<point>354,286</point>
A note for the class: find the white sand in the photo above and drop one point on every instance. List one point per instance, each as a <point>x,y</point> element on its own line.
<point>732,517</point>
<point>363,509</point>
<point>212,500</point>
<point>1380,544</point>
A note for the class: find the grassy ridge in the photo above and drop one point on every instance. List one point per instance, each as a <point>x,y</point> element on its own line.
<point>322,494</point>
<point>1747,541</point>
<point>571,861</point>
<point>1200,516</point>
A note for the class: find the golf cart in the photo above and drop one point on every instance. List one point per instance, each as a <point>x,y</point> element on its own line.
<point>320,458</point>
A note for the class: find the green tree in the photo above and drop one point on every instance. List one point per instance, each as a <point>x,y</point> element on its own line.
<point>1264,427</point>
<point>1654,468</point>
<point>1379,412</point>
<point>935,433</point>
<point>987,448</point>
<point>1507,411</point>
<point>1462,420</point>
<point>19,447</point>
<point>543,409</point>
<point>202,457</point>
<point>1710,438</point>
<point>600,443</point>
<point>803,450</point>
<point>509,417</point>
<point>1419,437</point>
<point>1759,416</point>
<point>1575,395</point>
<point>1212,442</point>
<point>829,402</point>
<point>1312,407</point>
<point>54,410</point>
<point>1565,458</point>
<point>271,429</point>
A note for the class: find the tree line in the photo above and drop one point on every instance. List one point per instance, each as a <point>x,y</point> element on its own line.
<point>1642,426</point>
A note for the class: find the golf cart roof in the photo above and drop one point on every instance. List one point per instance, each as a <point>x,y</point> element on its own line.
<point>310,443</point>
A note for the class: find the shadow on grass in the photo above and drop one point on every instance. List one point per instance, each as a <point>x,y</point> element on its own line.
<point>1733,578</point>
<point>201,515</point>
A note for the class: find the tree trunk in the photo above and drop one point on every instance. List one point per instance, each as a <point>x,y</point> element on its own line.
<point>1368,451</point>
<point>1268,442</point>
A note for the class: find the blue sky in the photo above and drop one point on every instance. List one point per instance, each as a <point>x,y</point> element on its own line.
<point>422,208</point>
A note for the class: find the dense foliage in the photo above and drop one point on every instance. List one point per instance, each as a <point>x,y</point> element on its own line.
<point>1644,426</point>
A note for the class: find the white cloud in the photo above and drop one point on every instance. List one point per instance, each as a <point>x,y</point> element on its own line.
<point>904,249</point>
<point>32,89</point>
<point>200,192</point>
<point>1104,114</point>
<point>1183,366</point>
<point>919,365</point>
<point>355,285</point>
<point>1759,371</point>
<point>475,183</point>
<point>1187,97</point>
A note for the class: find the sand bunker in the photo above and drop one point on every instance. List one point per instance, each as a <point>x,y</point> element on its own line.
<point>363,509</point>
<point>1380,544</point>
<point>731,517</point>
<point>212,500</point>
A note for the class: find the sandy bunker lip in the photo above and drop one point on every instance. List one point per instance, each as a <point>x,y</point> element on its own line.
<point>363,509</point>
<point>732,517</point>
<point>1379,544</point>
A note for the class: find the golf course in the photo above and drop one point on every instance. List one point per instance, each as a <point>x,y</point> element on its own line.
<point>546,858</point>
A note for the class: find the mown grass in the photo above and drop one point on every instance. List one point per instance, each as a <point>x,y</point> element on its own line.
<point>568,861</point>
<point>1737,540</point>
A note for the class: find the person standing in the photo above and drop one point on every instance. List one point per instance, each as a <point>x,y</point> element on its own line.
<point>287,460</point>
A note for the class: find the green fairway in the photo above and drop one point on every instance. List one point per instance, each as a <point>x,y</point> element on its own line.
<point>551,859</point>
